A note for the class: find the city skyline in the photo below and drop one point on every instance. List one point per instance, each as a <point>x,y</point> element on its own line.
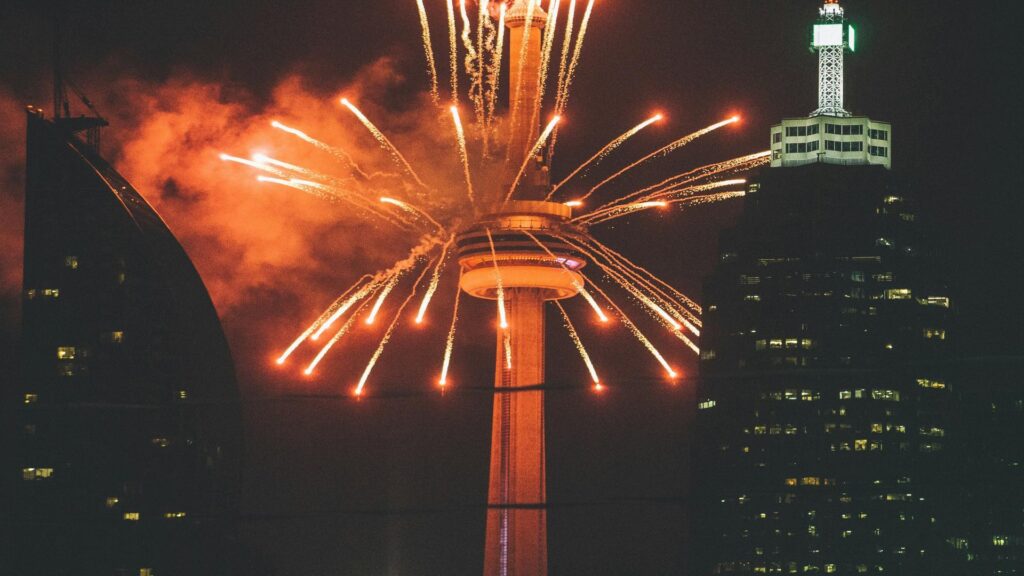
<point>235,298</point>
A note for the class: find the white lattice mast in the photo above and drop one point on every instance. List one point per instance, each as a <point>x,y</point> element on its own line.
<point>832,38</point>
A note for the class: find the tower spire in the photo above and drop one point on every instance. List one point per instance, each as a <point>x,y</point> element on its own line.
<point>832,38</point>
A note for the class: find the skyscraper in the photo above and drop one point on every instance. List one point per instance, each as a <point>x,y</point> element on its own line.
<point>126,432</point>
<point>824,400</point>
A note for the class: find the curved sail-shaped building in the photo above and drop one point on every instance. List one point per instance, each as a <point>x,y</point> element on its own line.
<point>127,428</point>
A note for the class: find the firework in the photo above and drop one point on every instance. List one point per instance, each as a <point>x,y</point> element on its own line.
<point>384,142</point>
<point>429,49</point>
<point>463,154</point>
<point>579,345</point>
<point>450,341</point>
<point>435,279</point>
<point>605,151</point>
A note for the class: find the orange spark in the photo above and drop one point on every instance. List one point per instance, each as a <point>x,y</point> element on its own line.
<point>608,149</point>
<point>450,342</point>
<point>381,297</point>
<point>672,146</point>
<point>388,332</point>
<point>501,289</point>
<point>429,49</point>
<point>383,140</point>
<point>579,345</point>
<point>533,152</point>
<point>434,280</point>
<point>463,154</point>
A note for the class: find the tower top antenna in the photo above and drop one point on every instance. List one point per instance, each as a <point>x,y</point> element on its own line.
<point>832,39</point>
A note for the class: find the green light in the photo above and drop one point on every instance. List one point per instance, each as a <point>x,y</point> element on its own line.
<point>828,35</point>
<point>852,39</point>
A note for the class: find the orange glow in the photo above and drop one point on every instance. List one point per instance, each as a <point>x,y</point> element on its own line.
<point>501,289</point>
<point>574,203</point>
<point>380,299</point>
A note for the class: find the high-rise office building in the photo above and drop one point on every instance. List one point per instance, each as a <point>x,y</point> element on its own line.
<point>825,403</point>
<point>126,430</point>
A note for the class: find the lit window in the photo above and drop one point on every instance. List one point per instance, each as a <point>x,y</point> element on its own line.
<point>933,431</point>
<point>66,352</point>
<point>999,540</point>
<point>66,369</point>
<point>845,395</point>
<point>777,344</point>
<point>933,384</point>
<point>71,262</point>
<point>899,294</point>
<point>30,294</point>
<point>752,298</point>
<point>161,442</point>
<point>810,481</point>
<point>940,301</point>
<point>145,572</point>
<point>112,501</point>
<point>883,277</point>
<point>934,333</point>
<point>860,444</point>
<point>36,473</point>
<point>760,344</point>
<point>115,337</point>
<point>50,292</point>
<point>891,395</point>
<point>131,516</point>
<point>31,398</point>
<point>706,405</point>
<point>876,428</point>
<point>182,394</point>
<point>174,515</point>
<point>707,354</point>
<point>886,242</point>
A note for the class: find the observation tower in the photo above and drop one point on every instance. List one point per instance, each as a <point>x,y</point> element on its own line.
<point>517,256</point>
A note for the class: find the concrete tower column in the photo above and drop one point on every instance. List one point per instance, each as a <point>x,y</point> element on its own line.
<point>524,75</point>
<point>516,516</point>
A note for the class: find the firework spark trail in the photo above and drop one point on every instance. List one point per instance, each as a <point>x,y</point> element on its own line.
<point>335,339</point>
<point>453,52</point>
<point>547,44</point>
<point>671,147</point>
<point>564,59</point>
<point>383,140</point>
<point>685,179</point>
<point>434,280</point>
<point>517,90</point>
<point>604,152</point>
<point>529,157</point>
<point>320,178</point>
<point>429,49</point>
<point>494,77</point>
<point>674,322</point>
<point>463,154</point>
<point>340,311</point>
<point>689,343</point>
<point>450,342</point>
<point>253,164</point>
<point>472,65</point>
<point>497,273</point>
<point>566,90</point>
<point>579,345</point>
<point>636,332</point>
<point>676,302</point>
<point>413,210</point>
<point>597,217</point>
<point>389,332</point>
<point>339,301</point>
<point>582,290</point>
<point>332,150</point>
<point>333,194</point>
<point>388,287</point>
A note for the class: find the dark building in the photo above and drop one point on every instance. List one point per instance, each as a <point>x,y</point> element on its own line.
<point>125,430</point>
<point>828,438</point>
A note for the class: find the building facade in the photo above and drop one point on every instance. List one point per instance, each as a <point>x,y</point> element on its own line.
<point>125,432</point>
<point>827,421</point>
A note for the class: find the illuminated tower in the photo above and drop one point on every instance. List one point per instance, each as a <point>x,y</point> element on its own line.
<point>526,25</point>
<point>832,37</point>
<point>517,256</point>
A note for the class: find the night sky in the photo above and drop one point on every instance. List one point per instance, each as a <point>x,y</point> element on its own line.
<point>395,484</point>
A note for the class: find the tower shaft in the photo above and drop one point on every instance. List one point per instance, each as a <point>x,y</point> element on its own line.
<point>516,517</point>
<point>526,31</point>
